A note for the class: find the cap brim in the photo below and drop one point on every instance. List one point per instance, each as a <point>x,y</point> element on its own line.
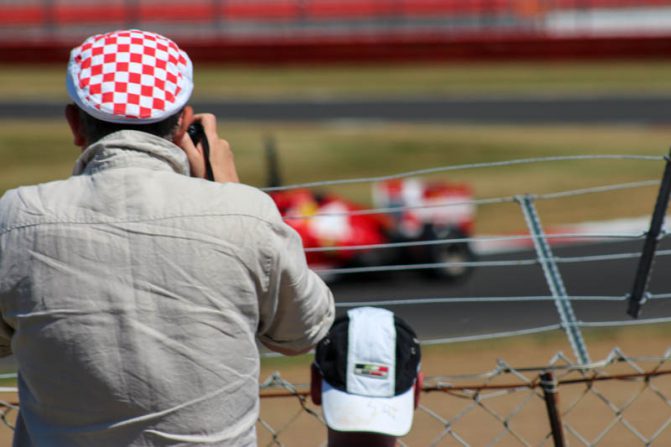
<point>351,412</point>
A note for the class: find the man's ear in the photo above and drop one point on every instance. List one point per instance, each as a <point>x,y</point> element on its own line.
<point>72,116</point>
<point>419,384</point>
<point>185,120</point>
<point>315,385</point>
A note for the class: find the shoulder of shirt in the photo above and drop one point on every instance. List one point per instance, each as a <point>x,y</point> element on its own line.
<point>24,204</point>
<point>10,203</point>
<point>250,200</point>
<point>21,198</point>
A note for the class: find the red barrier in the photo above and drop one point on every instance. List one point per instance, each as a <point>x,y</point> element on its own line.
<point>382,49</point>
<point>105,13</point>
<point>21,15</point>
<point>62,12</point>
<point>260,10</point>
<point>180,11</point>
<point>404,44</point>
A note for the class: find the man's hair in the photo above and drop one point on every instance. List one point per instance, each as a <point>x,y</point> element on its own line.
<point>95,129</point>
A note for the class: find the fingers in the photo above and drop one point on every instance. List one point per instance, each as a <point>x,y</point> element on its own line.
<point>194,155</point>
<point>223,163</point>
<point>209,122</point>
<point>221,156</point>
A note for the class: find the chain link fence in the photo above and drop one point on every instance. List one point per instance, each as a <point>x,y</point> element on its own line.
<point>619,401</point>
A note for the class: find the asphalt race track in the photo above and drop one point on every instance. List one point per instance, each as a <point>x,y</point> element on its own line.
<point>435,321</point>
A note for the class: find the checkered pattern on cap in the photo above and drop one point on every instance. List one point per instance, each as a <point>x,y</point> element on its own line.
<point>129,76</point>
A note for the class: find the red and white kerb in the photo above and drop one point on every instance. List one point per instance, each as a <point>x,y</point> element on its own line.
<point>133,76</point>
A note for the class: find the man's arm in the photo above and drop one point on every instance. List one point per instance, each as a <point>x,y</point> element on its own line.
<point>6,331</point>
<point>5,339</point>
<point>221,157</point>
<point>299,308</point>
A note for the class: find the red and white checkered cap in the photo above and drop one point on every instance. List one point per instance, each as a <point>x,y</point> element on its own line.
<point>129,76</point>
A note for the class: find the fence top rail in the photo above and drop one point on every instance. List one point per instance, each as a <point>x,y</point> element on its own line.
<point>525,377</point>
<point>280,390</point>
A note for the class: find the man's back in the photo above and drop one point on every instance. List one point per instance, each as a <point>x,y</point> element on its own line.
<point>135,294</point>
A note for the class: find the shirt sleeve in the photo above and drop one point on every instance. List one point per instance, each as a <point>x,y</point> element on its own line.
<point>298,309</point>
<point>6,331</point>
<point>5,339</point>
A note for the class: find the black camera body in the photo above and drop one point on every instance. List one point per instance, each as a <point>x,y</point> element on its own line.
<point>197,134</point>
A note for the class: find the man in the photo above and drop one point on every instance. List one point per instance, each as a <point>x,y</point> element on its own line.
<point>132,294</point>
<point>366,377</point>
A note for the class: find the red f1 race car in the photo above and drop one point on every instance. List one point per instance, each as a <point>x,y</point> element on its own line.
<point>410,219</point>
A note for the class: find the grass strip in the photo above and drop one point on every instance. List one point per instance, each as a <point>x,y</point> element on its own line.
<point>39,151</point>
<point>220,82</point>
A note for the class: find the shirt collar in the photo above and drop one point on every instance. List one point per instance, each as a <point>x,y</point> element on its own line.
<point>123,148</point>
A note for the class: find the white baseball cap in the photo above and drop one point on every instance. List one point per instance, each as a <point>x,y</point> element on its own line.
<point>129,76</point>
<point>369,363</point>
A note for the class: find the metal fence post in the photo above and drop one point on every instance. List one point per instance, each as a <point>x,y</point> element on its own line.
<point>554,280</point>
<point>638,294</point>
<point>551,395</point>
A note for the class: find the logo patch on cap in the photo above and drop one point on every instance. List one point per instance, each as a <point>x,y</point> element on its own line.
<point>371,370</point>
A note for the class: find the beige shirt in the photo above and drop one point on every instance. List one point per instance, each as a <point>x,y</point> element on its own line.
<point>132,297</point>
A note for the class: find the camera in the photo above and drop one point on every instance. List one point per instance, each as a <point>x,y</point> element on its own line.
<point>196,132</point>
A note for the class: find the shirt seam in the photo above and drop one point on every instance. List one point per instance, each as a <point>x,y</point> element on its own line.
<point>142,220</point>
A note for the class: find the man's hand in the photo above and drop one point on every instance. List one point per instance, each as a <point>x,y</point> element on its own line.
<point>221,156</point>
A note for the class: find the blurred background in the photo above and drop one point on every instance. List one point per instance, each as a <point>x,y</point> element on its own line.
<point>272,31</point>
<point>356,91</point>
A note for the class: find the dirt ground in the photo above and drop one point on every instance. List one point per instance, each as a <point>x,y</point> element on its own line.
<point>589,413</point>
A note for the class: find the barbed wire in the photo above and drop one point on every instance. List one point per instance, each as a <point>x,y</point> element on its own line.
<point>503,263</point>
<point>482,299</point>
<point>595,189</point>
<point>474,202</point>
<point>462,167</point>
<point>542,329</point>
<point>486,239</point>
<point>487,299</point>
<point>537,260</point>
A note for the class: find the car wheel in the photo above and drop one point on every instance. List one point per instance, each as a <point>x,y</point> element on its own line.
<point>451,256</point>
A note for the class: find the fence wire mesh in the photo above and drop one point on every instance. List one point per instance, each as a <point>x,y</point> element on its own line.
<point>619,401</point>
